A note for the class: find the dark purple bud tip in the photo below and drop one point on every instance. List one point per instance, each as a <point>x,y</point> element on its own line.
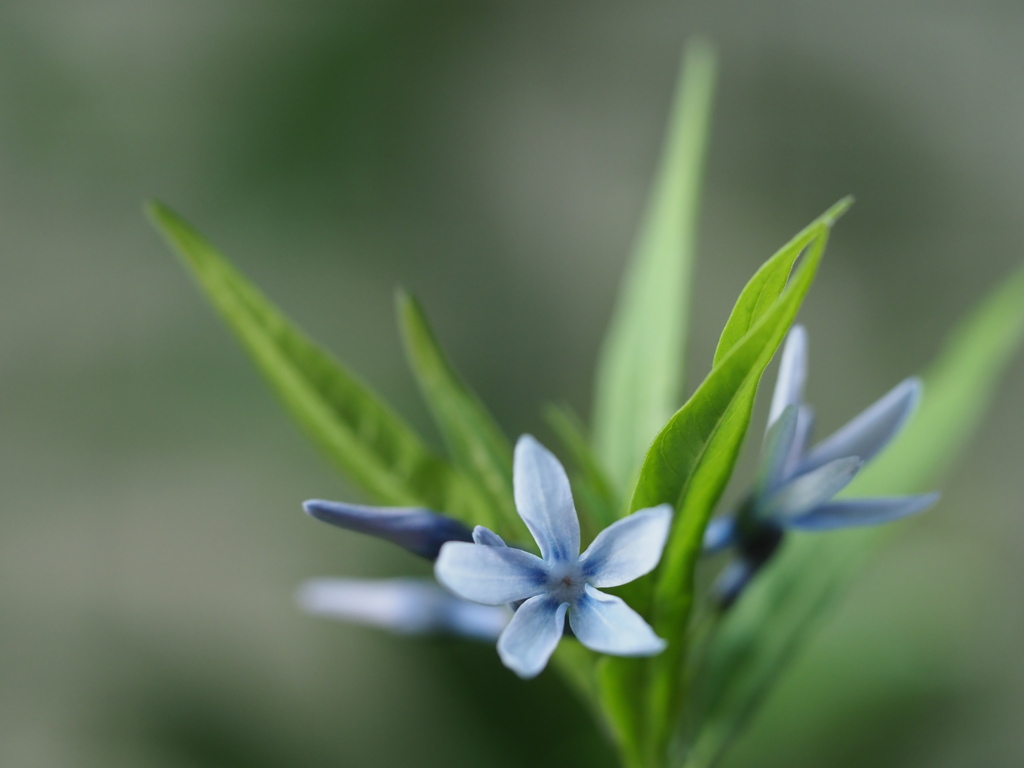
<point>418,530</point>
<point>732,581</point>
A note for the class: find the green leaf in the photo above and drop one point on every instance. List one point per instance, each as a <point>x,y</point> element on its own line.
<point>362,436</point>
<point>639,376</point>
<point>621,686</point>
<point>690,462</point>
<point>475,440</point>
<point>787,601</point>
<point>693,457</point>
<point>764,287</point>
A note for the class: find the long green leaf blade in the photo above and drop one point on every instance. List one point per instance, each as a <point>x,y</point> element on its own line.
<point>789,600</point>
<point>764,288</point>
<point>692,460</point>
<point>477,444</point>
<point>687,466</point>
<point>362,436</point>
<point>640,371</point>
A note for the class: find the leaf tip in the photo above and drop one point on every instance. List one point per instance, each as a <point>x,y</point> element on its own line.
<point>157,212</point>
<point>402,298</point>
<point>833,214</point>
<point>700,51</point>
<point>408,309</point>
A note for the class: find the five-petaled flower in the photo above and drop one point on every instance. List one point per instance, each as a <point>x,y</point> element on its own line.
<point>561,580</point>
<point>795,487</point>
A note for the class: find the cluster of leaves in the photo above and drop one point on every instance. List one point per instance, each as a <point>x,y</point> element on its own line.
<point>683,706</point>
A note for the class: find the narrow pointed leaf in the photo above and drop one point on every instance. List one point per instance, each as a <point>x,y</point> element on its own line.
<point>764,288</point>
<point>690,462</point>
<point>788,600</point>
<point>357,431</point>
<point>639,375</point>
<point>475,440</point>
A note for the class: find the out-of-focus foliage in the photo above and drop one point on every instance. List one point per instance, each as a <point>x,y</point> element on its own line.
<point>757,639</point>
<point>361,434</point>
<point>640,372</point>
<point>152,535</point>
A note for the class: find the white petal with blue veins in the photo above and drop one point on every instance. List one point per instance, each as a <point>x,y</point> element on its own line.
<point>789,384</point>
<point>808,491</point>
<point>606,624</point>
<point>850,513</point>
<point>406,606</point>
<point>487,537</point>
<point>871,430</point>
<point>490,575</point>
<point>532,636</point>
<point>778,444</point>
<point>627,549</point>
<point>544,500</point>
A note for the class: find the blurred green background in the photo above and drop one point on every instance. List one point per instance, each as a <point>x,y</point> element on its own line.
<point>493,157</point>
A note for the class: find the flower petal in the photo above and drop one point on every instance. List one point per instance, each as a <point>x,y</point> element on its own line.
<point>789,385</point>
<point>733,580</point>
<point>778,443</point>
<point>544,500</point>
<point>490,575</point>
<point>487,537</point>
<point>801,437</point>
<point>628,548</point>
<point>606,624</point>
<point>808,491</point>
<point>418,530</point>
<point>871,430</point>
<point>855,512</point>
<point>720,534</point>
<point>532,636</point>
<point>406,606</point>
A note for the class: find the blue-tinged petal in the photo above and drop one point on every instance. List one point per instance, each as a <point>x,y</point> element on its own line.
<point>487,537</point>
<point>732,581</point>
<point>606,624</point>
<point>849,513</point>
<point>532,636</point>
<point>720,534</point>
<point>778,443</point>
<point>628,548</point>
<point>871,430</point>
<point>406,606</point>
<point>418,530</point>
<point>490,575</point>
<point>801,439</point>
<point>544,500</point>
<point>789,385</point>
<point>805,492</point>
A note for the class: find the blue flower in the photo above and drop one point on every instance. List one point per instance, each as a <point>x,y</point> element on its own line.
<point>562,580</point>
<point>418,530</point>
<point>795,486</point>
<point>406,606</point>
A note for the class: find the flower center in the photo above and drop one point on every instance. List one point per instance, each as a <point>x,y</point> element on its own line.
<point>566,583</point>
